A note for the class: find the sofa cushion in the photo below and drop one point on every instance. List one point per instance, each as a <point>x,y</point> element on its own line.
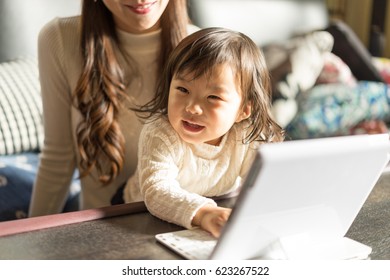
<point>333,109</point>
<point>382,64</point>
<point>21,128</point>
<point>335,71</point>
<point>352,51</point>
<point>294,67</point>
<point>17,176</point>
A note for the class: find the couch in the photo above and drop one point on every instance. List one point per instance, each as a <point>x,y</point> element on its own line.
<point>325,82</point>
<point>21,131</point>
<point>273,24</point>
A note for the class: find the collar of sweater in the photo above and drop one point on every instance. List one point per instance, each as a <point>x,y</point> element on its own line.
<point>140,42</point>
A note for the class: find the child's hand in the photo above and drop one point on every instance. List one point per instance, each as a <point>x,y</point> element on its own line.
<point>211,219</point>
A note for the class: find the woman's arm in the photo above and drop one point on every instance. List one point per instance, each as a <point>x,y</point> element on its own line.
<point>57,161</point>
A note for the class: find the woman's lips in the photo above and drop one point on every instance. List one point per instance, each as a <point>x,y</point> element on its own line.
<point>142,8</point>
<point>192,127</point>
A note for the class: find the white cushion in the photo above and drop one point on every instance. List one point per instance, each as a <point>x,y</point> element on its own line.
<point>21,127</point>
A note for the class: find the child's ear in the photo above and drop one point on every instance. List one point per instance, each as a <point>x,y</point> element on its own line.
<point>245,113</point>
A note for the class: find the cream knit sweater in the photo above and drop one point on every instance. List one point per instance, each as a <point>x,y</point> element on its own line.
<point>174,178</point>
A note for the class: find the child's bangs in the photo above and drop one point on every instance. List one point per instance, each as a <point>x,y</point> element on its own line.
<point>200,64</point>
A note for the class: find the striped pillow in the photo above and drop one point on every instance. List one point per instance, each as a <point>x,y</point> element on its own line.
<point>21,127</point>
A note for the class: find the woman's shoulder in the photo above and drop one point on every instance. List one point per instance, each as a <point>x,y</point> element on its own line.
<point>60,27</point>
<point>60,40</point>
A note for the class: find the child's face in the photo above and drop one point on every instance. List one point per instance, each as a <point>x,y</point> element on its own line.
<point>203,110</point>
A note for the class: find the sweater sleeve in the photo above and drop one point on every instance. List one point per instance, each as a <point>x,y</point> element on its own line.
<point>160,157</point>
<point>57,162</point>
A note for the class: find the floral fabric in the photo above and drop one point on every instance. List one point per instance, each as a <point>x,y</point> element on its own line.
<point>333,109</point>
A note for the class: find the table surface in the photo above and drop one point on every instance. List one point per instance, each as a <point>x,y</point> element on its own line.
<point>131,236</point>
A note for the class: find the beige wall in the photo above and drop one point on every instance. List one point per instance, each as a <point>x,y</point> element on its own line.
<point>358,16</point>
<point>387,31</point>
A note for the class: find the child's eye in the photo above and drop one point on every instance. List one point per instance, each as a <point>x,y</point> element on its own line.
<point>214,97</point>
<point>182,89</point>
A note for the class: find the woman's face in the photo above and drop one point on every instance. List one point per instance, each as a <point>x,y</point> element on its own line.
<point>137,16</point>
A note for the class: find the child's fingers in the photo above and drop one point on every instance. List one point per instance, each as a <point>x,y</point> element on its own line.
<point>215,229</point>
<point>214,221</point>
<point>221,221</point>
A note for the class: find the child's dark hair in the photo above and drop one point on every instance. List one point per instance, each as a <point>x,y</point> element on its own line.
<point>199,53</point>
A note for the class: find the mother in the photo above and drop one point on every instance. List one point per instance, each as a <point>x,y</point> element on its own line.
<point>93,68</point>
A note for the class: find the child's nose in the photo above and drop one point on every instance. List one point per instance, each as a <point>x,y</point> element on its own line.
<point>194,108</point>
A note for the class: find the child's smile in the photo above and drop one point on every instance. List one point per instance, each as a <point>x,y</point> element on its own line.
<point>192,127</point>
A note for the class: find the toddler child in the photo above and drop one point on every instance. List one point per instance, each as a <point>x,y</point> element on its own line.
<point>211,113</point>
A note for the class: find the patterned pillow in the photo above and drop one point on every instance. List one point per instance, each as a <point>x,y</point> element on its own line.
<point>21,128</point>
<point>335,71</point>
<point>17,176</point>
<point>382,64</point>
<point>334,109</point>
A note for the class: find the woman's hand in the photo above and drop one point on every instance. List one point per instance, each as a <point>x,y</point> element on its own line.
<point>211,218</point>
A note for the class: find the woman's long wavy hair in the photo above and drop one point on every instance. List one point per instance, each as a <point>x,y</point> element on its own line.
<point>102,84</point>
<point>199,52</point>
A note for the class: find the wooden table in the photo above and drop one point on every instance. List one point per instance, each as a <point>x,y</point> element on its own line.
<point>114,233</point>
